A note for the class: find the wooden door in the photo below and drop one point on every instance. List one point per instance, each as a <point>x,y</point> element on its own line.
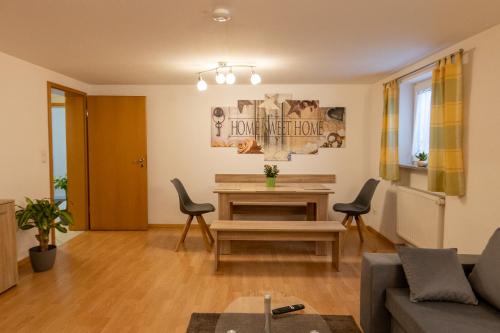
<point>117,162</point>
<point>76,160</point>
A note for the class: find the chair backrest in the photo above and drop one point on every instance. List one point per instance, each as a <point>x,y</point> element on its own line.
<point>184,198</point>
<point>365,196</point>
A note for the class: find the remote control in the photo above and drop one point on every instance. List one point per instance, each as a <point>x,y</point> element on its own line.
<point>287,309</point>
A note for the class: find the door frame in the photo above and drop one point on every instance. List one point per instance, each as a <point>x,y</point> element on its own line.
<point>50,86</point>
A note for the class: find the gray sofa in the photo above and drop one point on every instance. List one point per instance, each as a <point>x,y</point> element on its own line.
<point>386,307</point>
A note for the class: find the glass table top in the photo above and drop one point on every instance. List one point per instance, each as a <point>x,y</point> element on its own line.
<point>246,315</point>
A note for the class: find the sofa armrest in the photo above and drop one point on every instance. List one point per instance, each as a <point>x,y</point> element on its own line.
<point>380,271</point>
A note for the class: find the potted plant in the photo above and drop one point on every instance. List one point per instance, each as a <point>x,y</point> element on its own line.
<point>61,183</point>
<point>45,216</point>
<point>271,173</point>
<point>422,159</point>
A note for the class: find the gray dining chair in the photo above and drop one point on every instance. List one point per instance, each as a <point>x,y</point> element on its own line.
<point>188,207</point>
<point>360,206</point>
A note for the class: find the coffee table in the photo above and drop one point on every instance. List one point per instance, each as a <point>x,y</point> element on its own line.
<point>246,315</point>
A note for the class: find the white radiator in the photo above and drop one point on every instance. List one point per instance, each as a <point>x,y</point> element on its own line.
<point>420,217</point>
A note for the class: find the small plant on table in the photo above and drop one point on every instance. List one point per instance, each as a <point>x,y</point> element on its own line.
<point>271,173</point>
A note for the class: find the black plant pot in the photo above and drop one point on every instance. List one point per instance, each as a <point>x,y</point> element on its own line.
<point>42,261</point>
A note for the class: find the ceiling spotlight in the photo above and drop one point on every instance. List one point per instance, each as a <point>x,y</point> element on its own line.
<point>230,77</point>
<point>224,74</point>
<point>220,78</point>
<point>221,15</point>
<point>201,85</point>
<point>255,78</point>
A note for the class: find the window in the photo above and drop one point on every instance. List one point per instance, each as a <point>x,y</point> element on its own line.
<point>421,118</point>
<point>414,117</point>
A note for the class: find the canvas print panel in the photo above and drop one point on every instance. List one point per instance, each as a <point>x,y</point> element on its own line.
<point>269,118</point>
<point>303,126</point>
<point>278,126</point>
<point>234,128</point>
<point>333,127</point>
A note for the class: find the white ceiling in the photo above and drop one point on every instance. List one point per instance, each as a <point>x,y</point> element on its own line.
<point>290,41</point>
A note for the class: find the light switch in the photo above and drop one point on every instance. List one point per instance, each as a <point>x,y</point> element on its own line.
<point>43,156</point>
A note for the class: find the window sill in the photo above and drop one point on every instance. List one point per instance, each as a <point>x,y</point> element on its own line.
<point>413,167</point>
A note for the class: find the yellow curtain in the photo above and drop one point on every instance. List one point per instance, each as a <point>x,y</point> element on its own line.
<point>446,167</point>
<point>389,159</point>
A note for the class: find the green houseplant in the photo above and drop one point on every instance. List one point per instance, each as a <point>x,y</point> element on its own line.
<point>271,173</point>
<point>422,159</point>
<point>43,215</point>
<point>61,183</point>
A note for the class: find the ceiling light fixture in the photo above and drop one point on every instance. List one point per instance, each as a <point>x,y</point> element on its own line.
<point>221,77</point>
<point>221,15</point>
<point>230,77</point>
<point>255,78</point>
<point>201,85</point>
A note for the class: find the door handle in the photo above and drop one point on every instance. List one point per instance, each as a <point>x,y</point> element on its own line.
<point>140,161</point>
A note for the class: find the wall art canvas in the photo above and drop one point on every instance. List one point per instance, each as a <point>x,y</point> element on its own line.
<point>269,115</point>
<point>278,126</point>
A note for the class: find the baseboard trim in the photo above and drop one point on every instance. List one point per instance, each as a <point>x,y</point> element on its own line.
<point>23,261</point>
<point>379,235</point>
<point>169,226</point>
<point>180,226</point>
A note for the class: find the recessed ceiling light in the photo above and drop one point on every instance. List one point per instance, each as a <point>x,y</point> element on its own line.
<point>221,15</point>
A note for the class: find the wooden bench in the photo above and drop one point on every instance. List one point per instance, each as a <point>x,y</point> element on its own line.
<point>322,231</point>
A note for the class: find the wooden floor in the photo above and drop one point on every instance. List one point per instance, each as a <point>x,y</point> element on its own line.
<point>135,282</point>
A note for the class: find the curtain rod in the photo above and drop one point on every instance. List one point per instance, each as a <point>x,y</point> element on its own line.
<point>461,51</point>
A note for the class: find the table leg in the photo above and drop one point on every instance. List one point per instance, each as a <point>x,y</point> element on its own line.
<point>216,252</point>
<point>311,211</point>
<point>225,247</point>
<point>336,252</point>
<point>321,215</point>
<point>225,213</point>
<point>231,207</point>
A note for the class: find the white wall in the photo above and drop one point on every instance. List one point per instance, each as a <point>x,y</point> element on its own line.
<point>469,221</point>
<point>178,125</point>
<point>24,168</point>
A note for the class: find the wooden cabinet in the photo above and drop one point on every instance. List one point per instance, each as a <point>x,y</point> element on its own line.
<point>8,255</point>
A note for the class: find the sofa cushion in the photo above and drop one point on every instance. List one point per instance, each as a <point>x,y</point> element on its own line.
<point>485,277</point>
<point>435,275</point>
<point>442,317</point>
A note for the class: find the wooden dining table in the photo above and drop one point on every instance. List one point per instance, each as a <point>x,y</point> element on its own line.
<point>314,196</point>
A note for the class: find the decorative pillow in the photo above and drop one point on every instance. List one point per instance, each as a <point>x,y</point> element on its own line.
<point>435,275</point>
<point>485,277</point>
